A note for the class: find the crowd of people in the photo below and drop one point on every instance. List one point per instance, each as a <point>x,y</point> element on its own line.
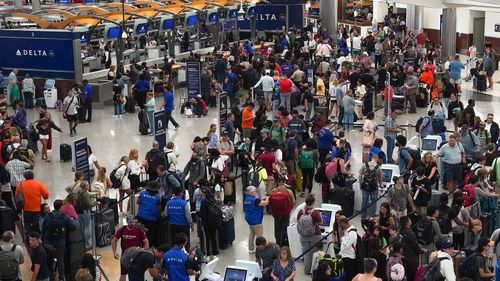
<point>285,137</point>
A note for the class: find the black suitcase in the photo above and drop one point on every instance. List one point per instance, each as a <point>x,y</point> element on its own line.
<point>130,105</point>
<point>481,84</point>
<point>143,122</point>
<point>7,219</point>
<point>65,152</point>
<point>113,204</point>
<point>345,198</point>
<point>75,250</point>
<point>103,234</point>
<point>82,114</point>
<point>106,215</point>
<point>226,234</point>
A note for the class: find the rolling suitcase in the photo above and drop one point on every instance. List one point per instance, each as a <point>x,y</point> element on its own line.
<point>113,204</point>
<point>481,84</point>
<point>106,215</point>
<point>75,250</point>
<point>7,219</point>
<point>143,122</point>
<point>65,152</point>
<point>130,105</point>
<point>343,197</point>
<point>226,234</point>
<point>103,234</point>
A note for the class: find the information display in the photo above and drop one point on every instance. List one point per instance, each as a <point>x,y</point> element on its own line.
<point>160,128</point>
<point>81,158</point>
<point>222,111</point>
<point>193,77</point>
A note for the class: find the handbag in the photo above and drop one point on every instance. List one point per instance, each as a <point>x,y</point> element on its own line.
<point>20,197</point>
<point>367,140</point>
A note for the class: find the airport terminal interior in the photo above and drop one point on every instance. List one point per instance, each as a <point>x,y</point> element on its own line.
<point>96,38</point>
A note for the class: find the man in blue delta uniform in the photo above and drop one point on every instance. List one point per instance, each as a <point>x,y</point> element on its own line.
<point>176,261</point>
<point>89,94</point>
<point>178,213</point>
<point>254,213</point>
<point>149,211</point>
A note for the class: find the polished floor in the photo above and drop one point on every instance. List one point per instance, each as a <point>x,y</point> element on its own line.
<point>112,138</point>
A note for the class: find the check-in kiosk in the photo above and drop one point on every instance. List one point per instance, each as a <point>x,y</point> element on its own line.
<point>111,33</point>
<point>234,273</point>
<point>50,93</point>
<point>253,269</point>
<point>141,29</point>
<point>431,144</point>
<point>388,172</point>
<point>328,212</point>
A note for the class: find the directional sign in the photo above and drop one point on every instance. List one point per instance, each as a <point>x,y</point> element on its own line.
<point>81,158</point>
<point>222,110</point>
<point>160,128</point>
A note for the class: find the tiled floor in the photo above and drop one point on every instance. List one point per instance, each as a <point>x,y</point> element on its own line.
<point>110,139</point>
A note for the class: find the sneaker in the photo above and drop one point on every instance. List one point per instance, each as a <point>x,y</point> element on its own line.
<point>115,116</point>
<point>251,251</point>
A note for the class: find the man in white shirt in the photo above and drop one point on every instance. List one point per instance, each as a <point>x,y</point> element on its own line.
<point>444,255</point>
<point>348,248</point>
<point>267,87</point>
<point>323,50</point>
<point>71,104</point>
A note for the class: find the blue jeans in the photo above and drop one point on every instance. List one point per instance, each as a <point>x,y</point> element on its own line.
<point>87,228</point>
<point>28,99</point>
<point>391,142</point>
<point>31,220</point>
<point>118,108</point>
<point>348,120</point>
<point>151,116</point>
<point>369,197</point>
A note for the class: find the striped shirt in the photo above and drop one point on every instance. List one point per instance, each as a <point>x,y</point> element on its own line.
<point>390,124</point>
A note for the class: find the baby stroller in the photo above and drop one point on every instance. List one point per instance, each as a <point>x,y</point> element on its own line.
<point>186,109</point>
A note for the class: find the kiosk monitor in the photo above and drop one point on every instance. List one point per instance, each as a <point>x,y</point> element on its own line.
<point>235,274</point>
<point>233,14</point>
<point>168,24</point>
<point>213,17</point>
<point>429,144</point>
<point>386,175</point>
<point>141,28</point>
<point>326,216</point>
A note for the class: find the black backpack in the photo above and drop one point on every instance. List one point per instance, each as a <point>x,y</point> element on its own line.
<point>370,181</point>
<point>320,175</point>
<point>116,182</point>
<point>424,231</point>
<point>359,250</point>
<point>56,229</point>
<point>433,271</point>
<point>419,123</point>
<point>215,215</point>
<point>9,267</point>
<point>444,219</point>
<point>415,155</point>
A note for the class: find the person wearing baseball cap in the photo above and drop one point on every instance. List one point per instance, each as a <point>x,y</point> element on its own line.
<point>445,256</point>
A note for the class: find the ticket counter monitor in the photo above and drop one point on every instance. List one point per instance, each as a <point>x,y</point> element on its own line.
<point>431,144</point>
<point>234,273</point>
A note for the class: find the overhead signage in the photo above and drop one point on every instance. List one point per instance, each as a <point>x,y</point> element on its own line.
<point>274,17</point>
<point>222,110</point>
<point>160,128</point>
<point>193,78</point>
<point>85,37</point>
<point>81,158</point>
<point>41,54</point>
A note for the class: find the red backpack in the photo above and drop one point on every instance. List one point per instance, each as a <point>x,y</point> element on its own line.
<point>469,197</point>
<point>281,206</point>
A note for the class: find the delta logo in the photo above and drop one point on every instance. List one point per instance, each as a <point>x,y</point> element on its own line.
<point>34,53</point>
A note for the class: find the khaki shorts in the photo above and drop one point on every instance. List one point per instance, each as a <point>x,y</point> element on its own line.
<point>457,81</point>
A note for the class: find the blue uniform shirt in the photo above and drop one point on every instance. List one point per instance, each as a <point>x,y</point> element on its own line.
<point>174,261</point>
<point>176,213</point>
<point>325,139</point>
<point>253,213</point>
<point>168,98</point>
<point>148,208</point>
<point>89,92</point>
<point>142,85</point>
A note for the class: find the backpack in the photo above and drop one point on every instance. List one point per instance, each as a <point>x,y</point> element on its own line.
<point>331,169</point>
<point>56,229</point>
<point>424,231</point>
<point>444,220</point>
<point>154,160</point>
<point>9,267</point>
<point>369,179</point>
<point>116,182</point>
<point>306,159</point>
<point>320,175</point>
<point>215,215</point>
<point>433,271</point>
<point>51,257</point>
<point>469,174</point>
<point>130,254</point>
<point>359,250</point>
<point>469,195</point>
<point>419,123</point>
<point>395,268</point>
<point>305,225</point>
<point>254,178</point>
<point>334,264</point>
<point>415,155</point>
<point>468,267</point>
<point>281,206</point>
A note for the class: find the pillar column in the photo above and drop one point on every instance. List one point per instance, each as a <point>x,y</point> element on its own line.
<point>414,17</point>
<point>329,16</point>
<point>35,5</point>
<point>449,31</point>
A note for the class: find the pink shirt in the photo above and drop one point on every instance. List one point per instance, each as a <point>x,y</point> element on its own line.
<point>69,210</point>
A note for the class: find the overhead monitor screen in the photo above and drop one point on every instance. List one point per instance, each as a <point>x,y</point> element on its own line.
<point>192,20</point>
<point>213,17</point>
<point>251,11</point>
<point>84,37</point>
<point>113,32</point>
<point>233,14</point>
<point>168,24</point>
<point>141,28</point>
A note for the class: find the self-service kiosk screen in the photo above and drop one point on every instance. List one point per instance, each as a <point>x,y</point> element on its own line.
<point>168,24</point>
<point>141,28</point>
<point>192,20</point>
<point>327,217</point>
<point>113,32</point>
<point>235,274</point>
<point>429,144</point>
<point>233,14</point>
<point>213,17</point>
<point>386,175</point>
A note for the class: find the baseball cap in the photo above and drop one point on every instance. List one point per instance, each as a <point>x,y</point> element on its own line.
<point>447,244</point>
